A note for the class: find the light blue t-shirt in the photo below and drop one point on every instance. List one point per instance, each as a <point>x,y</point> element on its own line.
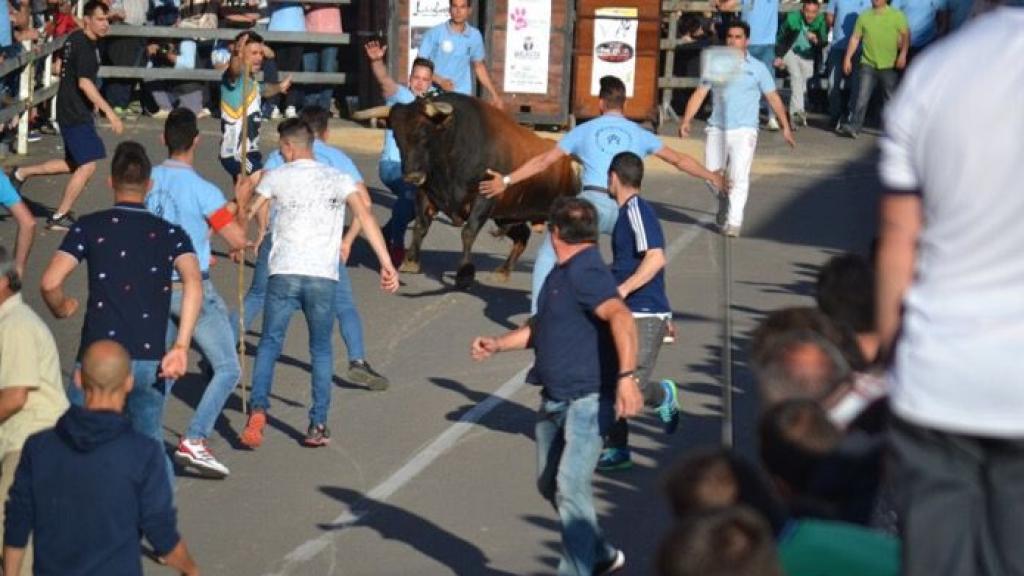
<point>181,196</point>
<point>390,152</point>
<point>596,142</point>
<point>921,18</point>
<point>8,195</point>
<point>452,52</point>
<point>743,96</point>
<point>763,18</point>
<point>323,154</point>
<point>845,13</point>
<point>287,17</point>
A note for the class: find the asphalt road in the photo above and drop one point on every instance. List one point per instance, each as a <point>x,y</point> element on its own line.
<point>435,475</point>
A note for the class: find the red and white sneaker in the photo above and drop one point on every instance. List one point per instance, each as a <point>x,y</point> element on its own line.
<point>196,454</point>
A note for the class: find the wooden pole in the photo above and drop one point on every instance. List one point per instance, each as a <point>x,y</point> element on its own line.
<point>243,173</point>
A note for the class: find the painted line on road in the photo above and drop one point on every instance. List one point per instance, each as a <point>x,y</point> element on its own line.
<point>438,447</point>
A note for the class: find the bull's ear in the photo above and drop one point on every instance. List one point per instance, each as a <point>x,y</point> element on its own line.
<point>438,111</point>
<point>378,112</point>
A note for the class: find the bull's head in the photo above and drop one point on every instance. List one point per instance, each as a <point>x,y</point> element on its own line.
<point>415,126</point>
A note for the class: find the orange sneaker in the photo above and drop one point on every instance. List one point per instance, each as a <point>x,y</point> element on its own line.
<point>252,436</point>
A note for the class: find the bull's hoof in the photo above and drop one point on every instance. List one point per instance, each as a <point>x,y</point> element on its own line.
<point>410,267</point>
<point>501,275</point>
<point>464,277</point>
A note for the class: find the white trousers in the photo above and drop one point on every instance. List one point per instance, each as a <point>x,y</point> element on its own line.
<point>740,144</point>
<point>800,71</point>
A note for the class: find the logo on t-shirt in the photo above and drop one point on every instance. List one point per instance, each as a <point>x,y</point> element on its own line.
<point>613,139</point>
<point>447,47</point>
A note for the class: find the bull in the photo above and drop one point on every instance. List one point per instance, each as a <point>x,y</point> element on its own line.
<point>447,144</point>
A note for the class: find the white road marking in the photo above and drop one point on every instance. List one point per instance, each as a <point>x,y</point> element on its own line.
<point>313,547</point>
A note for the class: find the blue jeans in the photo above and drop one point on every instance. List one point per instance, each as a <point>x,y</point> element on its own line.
<point>145,403</point>
<point>345,307</point>
<point>320,60</point>
<point>607,214</point>
<point>405,202</point>
<point>766,54</point>
<point>568,437</point>
<point>211,338</point>
<point>287,293</point>
<point>840,85</point>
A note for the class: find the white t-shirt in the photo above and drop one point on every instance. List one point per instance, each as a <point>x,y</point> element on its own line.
<point>310,204</point>
<point>953,132</point>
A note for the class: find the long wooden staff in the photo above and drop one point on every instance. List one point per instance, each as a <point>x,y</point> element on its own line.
<point>244,173</point>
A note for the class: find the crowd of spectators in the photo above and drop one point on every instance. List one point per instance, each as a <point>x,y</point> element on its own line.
<point>814,501</point>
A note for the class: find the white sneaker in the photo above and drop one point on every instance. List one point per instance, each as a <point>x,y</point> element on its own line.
<point>161,113</point>
<point>290,112</point>
<point>275,114</point>
<point>196,454</point>
<point>773,124</point>
<point>204,113</point>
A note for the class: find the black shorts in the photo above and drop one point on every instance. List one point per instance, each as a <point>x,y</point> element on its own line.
<point>82,144</point>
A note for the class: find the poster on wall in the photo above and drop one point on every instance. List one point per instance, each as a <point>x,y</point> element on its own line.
<point>527,45</point>
<point>615,47</point>
<point>423,15</point>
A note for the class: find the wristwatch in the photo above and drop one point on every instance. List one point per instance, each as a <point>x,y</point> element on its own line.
<point>506,180</point>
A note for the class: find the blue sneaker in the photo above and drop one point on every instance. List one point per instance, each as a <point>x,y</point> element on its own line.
<point>614,459</point>
<point>668,410</point>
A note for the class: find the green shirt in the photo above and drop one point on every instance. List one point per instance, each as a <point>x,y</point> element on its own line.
<point>793,35</point>
<point>880,34</point>
<point>820,548</point>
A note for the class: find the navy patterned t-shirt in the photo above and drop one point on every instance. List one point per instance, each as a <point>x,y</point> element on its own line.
<point>130,254</point>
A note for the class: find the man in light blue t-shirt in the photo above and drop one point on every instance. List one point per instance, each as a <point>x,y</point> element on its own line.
<point>359,370</point>
<point>763,18</point>
<point>594,144</point>
<point>10,199</point>
<point>841,16</point>
<point>182,197</point>
<point>735,121</point>
<point>454,47</point>
<point>390,168</point>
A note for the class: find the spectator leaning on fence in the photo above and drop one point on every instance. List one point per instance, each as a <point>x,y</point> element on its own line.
<point>76,97</point>
<point>321,19</point>
<point>457,50</point>
<point>801,37</point>
<point>124,51</point>
<point>885,36</point>
<point>288,17</point>
<point>169,93</point>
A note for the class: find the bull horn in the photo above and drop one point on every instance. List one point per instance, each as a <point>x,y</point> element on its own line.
<point>433,109</point>
<point>378,112</point>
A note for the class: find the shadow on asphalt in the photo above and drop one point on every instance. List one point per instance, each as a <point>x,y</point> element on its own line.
<point>429,539</point>
<point>508,418</point>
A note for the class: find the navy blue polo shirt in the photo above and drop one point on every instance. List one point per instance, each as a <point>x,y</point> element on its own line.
<point>575,353</point>
<point>130,254</point>
<point>636,231</point>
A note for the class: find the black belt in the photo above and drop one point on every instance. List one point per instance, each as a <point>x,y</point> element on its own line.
<point>597,189</point>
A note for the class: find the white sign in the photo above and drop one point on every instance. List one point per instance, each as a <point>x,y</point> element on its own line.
<point>614,47</point>
<point>527,46</point>
<point>423,15</point>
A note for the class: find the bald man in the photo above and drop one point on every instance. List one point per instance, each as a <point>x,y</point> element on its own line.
<point>121,488</point>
